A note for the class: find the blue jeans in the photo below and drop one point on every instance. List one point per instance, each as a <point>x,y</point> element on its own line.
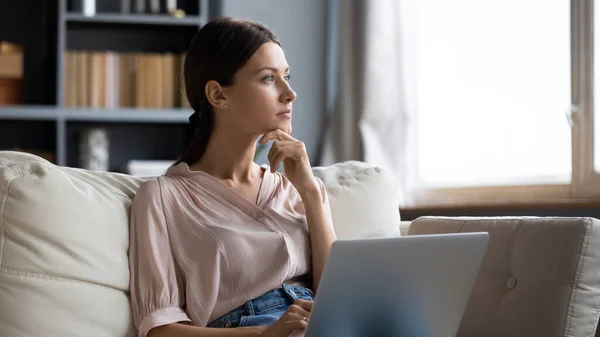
<point>264,310</point>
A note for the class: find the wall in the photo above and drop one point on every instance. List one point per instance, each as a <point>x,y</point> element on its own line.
<point>301,28</point>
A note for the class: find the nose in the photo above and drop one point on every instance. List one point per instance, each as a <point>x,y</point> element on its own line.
<point>288,95</point>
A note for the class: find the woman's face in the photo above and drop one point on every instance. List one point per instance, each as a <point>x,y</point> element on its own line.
<point>260,98</point>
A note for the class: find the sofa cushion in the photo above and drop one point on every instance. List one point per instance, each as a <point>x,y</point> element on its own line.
<point>363,198</point>
<point>540,276</point>
<point>64,241</point>
<point>63,249</point>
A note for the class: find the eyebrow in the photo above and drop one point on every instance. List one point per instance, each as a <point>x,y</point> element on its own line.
<point>272,69</point>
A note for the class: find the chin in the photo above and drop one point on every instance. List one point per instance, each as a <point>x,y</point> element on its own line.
<point>287,127</point>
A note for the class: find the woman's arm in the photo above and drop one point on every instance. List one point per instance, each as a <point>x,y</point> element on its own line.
<point>320,229</point>
<point>290,323</point>
<point>184,330</point>
<point>296,164</point>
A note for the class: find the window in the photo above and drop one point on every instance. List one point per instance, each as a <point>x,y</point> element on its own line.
<point>499,105</point>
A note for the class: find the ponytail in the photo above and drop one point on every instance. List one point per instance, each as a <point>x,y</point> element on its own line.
<point>202,132</point>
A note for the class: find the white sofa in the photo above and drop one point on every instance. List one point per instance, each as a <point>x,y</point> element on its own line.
<point>64,241</point>
<point>64,245</point>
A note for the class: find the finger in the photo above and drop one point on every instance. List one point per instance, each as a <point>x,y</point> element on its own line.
<point>296,326</point>
<point>293,316</point>
<point>296,309</point>
<point>282,152</point>
<point>278,158</point>
<point>283,143</point>
<point>263,139</point>
<point>273,152</point>
<point>296,149</point>
<point>285,135</point>
<point>297,321</point>
<point>275,134</point>
<point>278,147</point>
<point>268,136</point>
<point>304,304</point>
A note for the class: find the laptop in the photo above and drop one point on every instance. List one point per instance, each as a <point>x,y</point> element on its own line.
<point>409,286</point>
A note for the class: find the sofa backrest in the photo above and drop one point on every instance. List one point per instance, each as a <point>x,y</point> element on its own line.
<point>64,241</point>
<point>539,277</point>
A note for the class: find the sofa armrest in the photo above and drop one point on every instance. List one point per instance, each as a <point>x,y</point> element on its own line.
<point>540,276</point>
<point>404,227</point>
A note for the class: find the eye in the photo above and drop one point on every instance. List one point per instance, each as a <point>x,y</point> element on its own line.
<point>268,78</point>
<point>287,77</point>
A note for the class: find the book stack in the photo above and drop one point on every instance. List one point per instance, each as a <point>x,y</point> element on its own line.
<point>112,80</point>
<point>11,74</point>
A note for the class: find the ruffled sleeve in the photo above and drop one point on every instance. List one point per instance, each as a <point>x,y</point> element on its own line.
<point>157,295</point>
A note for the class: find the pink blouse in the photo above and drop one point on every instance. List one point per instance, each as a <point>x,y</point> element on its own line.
<point>199,249</point>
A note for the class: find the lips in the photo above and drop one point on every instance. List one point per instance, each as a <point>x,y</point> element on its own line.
<point>287,114</point>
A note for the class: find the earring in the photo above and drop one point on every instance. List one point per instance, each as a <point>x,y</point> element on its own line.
<point>224,106</point>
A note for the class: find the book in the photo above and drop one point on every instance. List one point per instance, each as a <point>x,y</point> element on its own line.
<point>112,80</point>
<point>126,6</point>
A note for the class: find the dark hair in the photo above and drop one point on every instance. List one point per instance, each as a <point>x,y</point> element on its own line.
<point>216,53</point>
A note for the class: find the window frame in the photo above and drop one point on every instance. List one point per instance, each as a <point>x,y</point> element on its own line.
<point>585,182</point>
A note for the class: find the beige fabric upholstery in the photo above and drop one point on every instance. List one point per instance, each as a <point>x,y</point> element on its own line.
<point>363,199</point>
<point>64,242</point>
<point>540,276</point>
<point>63,250</point>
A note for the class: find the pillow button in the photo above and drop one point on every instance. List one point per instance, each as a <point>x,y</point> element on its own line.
<point>511,283</point>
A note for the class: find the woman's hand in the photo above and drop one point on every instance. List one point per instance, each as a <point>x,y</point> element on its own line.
<point>292,153</point>
<point>293,321</point>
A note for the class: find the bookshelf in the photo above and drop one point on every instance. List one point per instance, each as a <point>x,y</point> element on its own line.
<point>35,113</point>
<point>132,115</point>
<point>134,19</point>
<point>135,131</point>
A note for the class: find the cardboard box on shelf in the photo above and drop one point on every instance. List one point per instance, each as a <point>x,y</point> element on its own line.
<point>11,74</point>
<point>11,61</point>
<point>11,91</point>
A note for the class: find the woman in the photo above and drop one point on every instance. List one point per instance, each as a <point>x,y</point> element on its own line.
<point>218,241</point>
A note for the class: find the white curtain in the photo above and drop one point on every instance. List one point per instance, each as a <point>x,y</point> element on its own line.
<point>370,109</point>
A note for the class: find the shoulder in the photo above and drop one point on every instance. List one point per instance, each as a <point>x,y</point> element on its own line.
<point>161,184</point>
<point>154,190</point>
<point>148,192</point>
<point>150,188</point>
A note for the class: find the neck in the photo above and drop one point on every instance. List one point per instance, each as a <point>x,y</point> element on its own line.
<point>229,156</point>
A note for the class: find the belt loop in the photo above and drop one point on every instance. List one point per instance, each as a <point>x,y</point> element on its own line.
<point>249,308</point>
<point>289,290</point>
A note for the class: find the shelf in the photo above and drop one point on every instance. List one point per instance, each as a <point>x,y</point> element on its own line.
<point>38,113</point>
<point>131,115</point>
<point>144,19</point>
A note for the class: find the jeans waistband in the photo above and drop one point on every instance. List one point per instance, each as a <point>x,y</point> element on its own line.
<point>274,299</point>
